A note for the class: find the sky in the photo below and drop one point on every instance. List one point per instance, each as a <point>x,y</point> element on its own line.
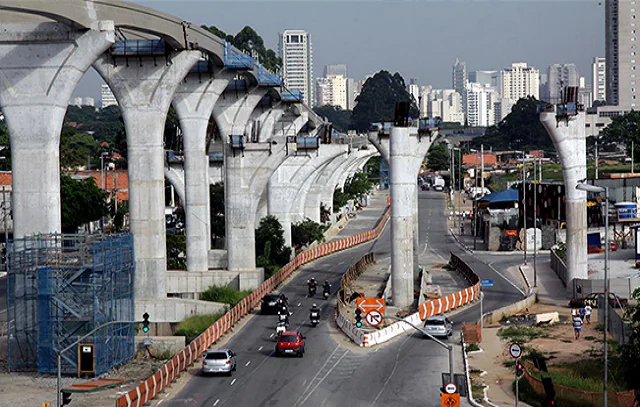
<point>418,38</point>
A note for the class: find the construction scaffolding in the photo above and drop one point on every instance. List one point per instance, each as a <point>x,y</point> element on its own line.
<point>60,287</point>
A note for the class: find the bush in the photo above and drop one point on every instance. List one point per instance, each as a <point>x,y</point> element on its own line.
<point>176,250</point>
<point>193,326</point>
<point>226,295</point>
<point>306,232</point>
<point>270,242</point>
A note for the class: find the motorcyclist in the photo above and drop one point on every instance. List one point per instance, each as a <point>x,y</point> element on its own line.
<point>283,311</point>
<point>283,301</point>
<point>314,309</point>
<point>326,287</point>
<point>312,283</point>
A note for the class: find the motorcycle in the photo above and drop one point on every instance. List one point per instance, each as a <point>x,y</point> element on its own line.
<point>315,318</point>
<point>283,317</point>
<point>281,328</point>
<point>326,292</point>
<point>312,290</point>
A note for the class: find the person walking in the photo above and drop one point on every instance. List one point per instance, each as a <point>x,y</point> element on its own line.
<point>577,326</point>
<point>587,314</point>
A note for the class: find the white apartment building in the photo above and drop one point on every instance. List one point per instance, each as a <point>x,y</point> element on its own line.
<point>444,103</point>
<point>621,28</point>
<point>296,51</point>
<point>560,76</point>
<point>481,101</point>
<point>599,78</point>
<point>519,81</point>
<point>332,90</point>
<point>414,90</point>
<point>108,99</point>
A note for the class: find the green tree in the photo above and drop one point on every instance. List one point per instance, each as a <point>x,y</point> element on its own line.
<point>76,148</point>
<point>357,186</point>
<point>521,129</point>
<point>176,252</point>
<point>372,169</point>
<point>216,192</point>
<point>377,101</point>
<point>623,129</point>
<point>5,149</point>
<point>631,351</point>
<point>306,232</point>
<point>339,199</point>
<point>270,242</point>
<point>336,115</point>
<point>81,202</point>
<point>438,157</point>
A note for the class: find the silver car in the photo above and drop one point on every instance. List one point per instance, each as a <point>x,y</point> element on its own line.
<point>219,361</point>
<point>438,326</point>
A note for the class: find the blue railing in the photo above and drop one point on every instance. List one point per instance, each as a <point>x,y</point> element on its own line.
<point>291,96</point>
<point>266,78</point>
<point>139,47</point>
<point>235,59</point>
<point>429,124</point>
<point>216,157</point>
<point>238,84</point>
<point>567,109</point>
<point>307,143</point>
<point>237,141</point>
<point>202,66</point>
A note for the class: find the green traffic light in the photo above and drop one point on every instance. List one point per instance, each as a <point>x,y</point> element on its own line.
<point>145,329</point>
<point>358,324</point>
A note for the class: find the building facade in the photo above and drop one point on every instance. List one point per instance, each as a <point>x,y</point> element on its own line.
<point>621,53</point>
<point>560,76</point>
<point>599,78</point>
<point>107,97</point>
<point>444,103</point>
<point>481,101</point>
<point>296,51</point>
<point>459,80</point>
<point>519,81</point>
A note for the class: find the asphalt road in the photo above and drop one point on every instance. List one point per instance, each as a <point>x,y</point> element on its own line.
<point>406,371</point>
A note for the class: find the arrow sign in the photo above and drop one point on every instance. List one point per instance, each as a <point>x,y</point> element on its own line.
<point>373,318</point>
<point>370,304</point>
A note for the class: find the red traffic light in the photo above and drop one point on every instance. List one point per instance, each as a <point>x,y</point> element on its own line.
<point>519,369</point>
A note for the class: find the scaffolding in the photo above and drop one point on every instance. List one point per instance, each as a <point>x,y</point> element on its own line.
<point>60,287</point>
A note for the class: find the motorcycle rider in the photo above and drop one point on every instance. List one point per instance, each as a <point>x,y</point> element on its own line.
<point>326,287</point>
<point>283,314</point>
<point>312,283</point>
<point>283,301</point>
<point>316,310</point>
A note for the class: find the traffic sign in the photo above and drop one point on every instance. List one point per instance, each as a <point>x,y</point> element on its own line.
<point>370,304</point>
<point>515,350</point>
<point>450,400</point>
<point>451,388</point>
<point>486,283</point>
<point>374,318</point>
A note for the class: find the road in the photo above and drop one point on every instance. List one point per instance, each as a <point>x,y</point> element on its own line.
<point>333,372</point>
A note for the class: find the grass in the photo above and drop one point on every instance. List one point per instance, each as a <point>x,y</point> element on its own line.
<point>529,396</point>
<point>589,338</point>
<point>193,326</point>
<point>521,334</point>
<point>226,295</point>
<point>472,347</point>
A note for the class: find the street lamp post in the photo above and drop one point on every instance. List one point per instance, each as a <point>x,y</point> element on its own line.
<point>605,190</point>
<point>460,190</point>
<point>524,206</point>
<point>535,222</point>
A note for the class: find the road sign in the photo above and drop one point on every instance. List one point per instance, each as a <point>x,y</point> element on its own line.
<point>371,304</point>
<point>450,400</point>
<point>515,350</point>
<point>374,318</point>
<point>487,283</point>
<point>450,388</point>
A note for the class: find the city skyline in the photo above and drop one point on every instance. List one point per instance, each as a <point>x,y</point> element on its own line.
<point>355,39</point>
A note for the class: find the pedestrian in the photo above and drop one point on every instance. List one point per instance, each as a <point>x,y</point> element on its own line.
<point>461,229</point>
<point>577,326</point>
<point>581,313</point>
<point>587,313</point>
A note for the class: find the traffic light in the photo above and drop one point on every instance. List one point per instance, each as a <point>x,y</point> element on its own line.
<point>519,369</point>
<point>145,322</point>
<point>549,392</point>
<point>66,398</point>
<point>358,318</point>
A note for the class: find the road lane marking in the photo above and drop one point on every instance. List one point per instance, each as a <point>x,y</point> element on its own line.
<point>248,363</point>
<point>233,381</point>
<point>504,277</point>
<point>320,370</point>
<point>395,365</point>
<point>216,403</point>
<point>323,377</point>
<point>271,336</point>
<point>299,304</point>
<point>260,348</point>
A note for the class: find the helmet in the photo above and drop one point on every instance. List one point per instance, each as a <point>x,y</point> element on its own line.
<point>326,281</point>
<point>314,305</point>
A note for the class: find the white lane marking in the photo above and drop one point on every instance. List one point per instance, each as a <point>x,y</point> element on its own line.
<point>271,336</point>
<point>299,304</point>
<point>260,348</point>
<point>233,382</point>
<point>395,365</point>
<point>324,377</point>
<point>320,370</point>
<point>216,403</point>
<point>248,363</point>
<point>504,277</point>
<point>160,402</point>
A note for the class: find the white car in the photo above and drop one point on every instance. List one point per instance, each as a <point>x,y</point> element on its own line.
<point>219,361</point>
<point>438,326</point>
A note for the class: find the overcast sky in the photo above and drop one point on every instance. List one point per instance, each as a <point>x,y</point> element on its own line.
<point>419,39</point>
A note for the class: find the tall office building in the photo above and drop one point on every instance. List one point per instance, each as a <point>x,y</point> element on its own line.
<point>414,90</point>
<point>621,60</point>
<point>486,78</point>
<point>108,99</point>
<point>296,51</point>
<point>519,81</point>
<point>444,103</point>
<point>459,80</point>
<point>481,102</point>
<point>335,69</point>
<point>599,78</point>
<point>560,76</point>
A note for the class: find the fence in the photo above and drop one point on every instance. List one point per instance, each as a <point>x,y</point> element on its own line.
<point>558,267</point>
<point>351,275</point>
<point>170,371</point>
<point>618,328</point>
<point>580,397</point>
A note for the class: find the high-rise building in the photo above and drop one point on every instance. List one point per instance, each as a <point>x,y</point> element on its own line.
<point>335,69</point>
<point>459,80</point>
<point>585,93</point>
<point>414,90</point>
<point>599,78</point>
<point>519,81</point>
<point>444,103</point>
<point>108,99</point>
<point>486,78</point>
<point>332,90</point>
<point>481,102</point>
<point>88,101</point>
<point>620,44</point>
<point>559,76</point>
<point>353,90</point>
<point>296,52</point>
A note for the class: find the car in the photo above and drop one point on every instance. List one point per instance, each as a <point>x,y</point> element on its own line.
<point>290,343</point>
<point>219,361</point>
<point>269,304</point>
<point>438,326</point>
<point>592,299</point>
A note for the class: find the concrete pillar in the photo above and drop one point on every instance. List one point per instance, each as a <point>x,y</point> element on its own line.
<point>569,139</point>
<point>175,176</point>
<point>288,180</point>
<point>41,64</point>
<point>324,180</point>
<point>268,125</point>
<point>406,152</point>
<point>144,91</point>
<point>194,101</point>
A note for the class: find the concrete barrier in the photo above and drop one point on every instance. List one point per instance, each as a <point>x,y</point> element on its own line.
<point>495,316</point>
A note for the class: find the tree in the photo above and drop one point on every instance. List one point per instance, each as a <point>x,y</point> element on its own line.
<point>270,242</point>
<point>216,192</point>
<point>306,232</point>
<point>248,40</point>
<point>357,186</point>
<point>372,169</point>
<point>521,129</point>
<point>631,351</point>
<point>377,101</point>
<point>623,129</point>
<point>339,199</point>
<point>5,149</point>
<point>438,157</point>
<point>81,202</point>
<point>336,115</point>
<point>176,249</point>
<point>76,148</point>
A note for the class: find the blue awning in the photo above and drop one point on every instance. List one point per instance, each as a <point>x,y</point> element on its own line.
<point>509,195</point>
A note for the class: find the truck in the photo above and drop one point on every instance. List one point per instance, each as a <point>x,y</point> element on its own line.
<point>438,184</point>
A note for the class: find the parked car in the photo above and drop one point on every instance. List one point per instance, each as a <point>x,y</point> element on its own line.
<point>219,361</point>
<point>269,304</point>
<point>290,343</point>
<point>592,299</point>
<point>438,326</point>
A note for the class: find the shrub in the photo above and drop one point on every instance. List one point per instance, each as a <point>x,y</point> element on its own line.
<point>306,232</point>
<point>193,326</point>
<point>226,295</point>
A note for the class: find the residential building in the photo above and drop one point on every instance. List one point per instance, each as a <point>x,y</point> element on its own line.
<point>459,80</point>
<point>480,105</point>
<point>486,78</point>
<point>414,90</point>
<point>353,90</point>
<point>335,69</point>
<point>108,99</point>
<point>519,81</point>
<point>621,59</point>
<point>323,92</point>
<point>332,90</point>
<point>296,51</point>
<point>88,101</point>
<point>599,78</point>
<point>559,77</point>
<point>585,93</point>
<point>444,103</point>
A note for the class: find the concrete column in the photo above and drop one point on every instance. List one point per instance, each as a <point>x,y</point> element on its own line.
<point>268,125</point>
<point>323,181</point>
<point>144,91</point>
<point>194,101</point>
<point>40,67</point>
<point>175,176</point>
<point>569,139</point>
<point>288,180</point>
<point>406,152</point>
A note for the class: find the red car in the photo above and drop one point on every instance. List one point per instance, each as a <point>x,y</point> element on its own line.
<point>290,343</point>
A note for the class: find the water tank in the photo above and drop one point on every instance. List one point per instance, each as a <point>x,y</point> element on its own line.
<point>627,210</point>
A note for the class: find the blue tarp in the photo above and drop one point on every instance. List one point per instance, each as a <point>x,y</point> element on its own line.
<point>509,195</point>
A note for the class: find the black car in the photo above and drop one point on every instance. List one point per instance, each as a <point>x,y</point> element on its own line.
<point>270,304</point>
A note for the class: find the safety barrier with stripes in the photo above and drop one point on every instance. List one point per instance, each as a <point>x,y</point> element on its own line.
<point>170,371</point>
<point>430,308</point>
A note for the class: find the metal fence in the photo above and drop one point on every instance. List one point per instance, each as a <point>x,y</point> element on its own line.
<point>60,287</point>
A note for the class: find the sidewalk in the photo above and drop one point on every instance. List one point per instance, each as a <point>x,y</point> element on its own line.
<point>368,217</point>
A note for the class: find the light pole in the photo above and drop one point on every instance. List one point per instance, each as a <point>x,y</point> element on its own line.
<point>605,190</point>
<point>524,204</point>
<point>475,203</point>
<point>459,177</point>
<point>535,222</point>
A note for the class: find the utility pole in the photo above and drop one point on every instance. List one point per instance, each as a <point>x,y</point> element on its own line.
<point>535,222</point>
<point>524,205</point>
<point>460,190</point>
<point>632,156</point>
<point>596,157</point>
